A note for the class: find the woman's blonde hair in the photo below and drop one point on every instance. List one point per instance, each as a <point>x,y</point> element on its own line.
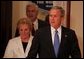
<point>25,21</point>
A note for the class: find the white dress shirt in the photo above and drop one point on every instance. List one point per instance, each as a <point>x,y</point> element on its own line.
<point>35,24</point>
<point>53,30</point>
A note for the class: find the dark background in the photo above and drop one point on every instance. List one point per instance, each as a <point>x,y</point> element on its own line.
<point>5,25</point>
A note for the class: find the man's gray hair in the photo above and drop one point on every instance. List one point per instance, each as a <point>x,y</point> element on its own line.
<point>61,10</point>
<point>32,4</point>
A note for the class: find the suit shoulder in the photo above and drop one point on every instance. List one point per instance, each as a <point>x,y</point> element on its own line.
<point>44,29</point>
<point>68,29</point>
<point>40,20</point>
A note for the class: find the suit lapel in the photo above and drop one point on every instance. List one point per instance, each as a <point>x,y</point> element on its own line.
<point>63,41</point>
<point>28,45</point>
<point>39,23</point>
<point>20,47</point>
<point>50,42</point>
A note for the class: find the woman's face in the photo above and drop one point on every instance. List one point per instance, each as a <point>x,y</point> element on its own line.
<point>24,31</point>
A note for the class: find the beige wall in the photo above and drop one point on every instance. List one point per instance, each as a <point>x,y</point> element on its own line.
<point>17,13</point>
<point>15,16</point>
<point>76,21</point>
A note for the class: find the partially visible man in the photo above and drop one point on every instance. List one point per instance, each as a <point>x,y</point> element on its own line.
<point>55,41</point>
<point>32,13</point>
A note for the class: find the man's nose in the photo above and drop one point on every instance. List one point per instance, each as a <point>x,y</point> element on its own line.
<point>52,17</point>
<point>23,32</point>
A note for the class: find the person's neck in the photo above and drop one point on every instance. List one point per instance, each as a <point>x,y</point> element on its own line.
<point>56,27</point>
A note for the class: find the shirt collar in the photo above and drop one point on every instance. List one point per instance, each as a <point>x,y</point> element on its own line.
<point>35,22</point>
<point>53,29</point>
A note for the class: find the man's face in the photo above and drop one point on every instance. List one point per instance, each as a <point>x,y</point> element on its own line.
<point>31,12</point>
<point>55,18</point>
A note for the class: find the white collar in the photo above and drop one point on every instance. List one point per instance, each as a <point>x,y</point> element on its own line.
<point>53,33</point>
<point>35,22</point>
<point>59,29</point>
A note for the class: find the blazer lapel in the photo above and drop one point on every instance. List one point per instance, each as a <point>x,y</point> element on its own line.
<point>20,47</point>
<point>39,24</point>
<point>50,42</point>
<point>28,46</point>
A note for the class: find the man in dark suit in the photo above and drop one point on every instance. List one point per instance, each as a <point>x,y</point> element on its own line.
<point>32,12</point>
<point>45,38</point>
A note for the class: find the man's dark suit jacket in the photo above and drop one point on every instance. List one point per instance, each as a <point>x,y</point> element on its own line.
<point>42,44</point>
<point>41,24</point>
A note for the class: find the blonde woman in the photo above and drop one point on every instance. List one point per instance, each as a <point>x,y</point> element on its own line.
<point>19,47</point>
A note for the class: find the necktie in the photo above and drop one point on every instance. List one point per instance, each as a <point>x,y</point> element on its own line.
<point>56,43</point>
<point>33,30</point>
